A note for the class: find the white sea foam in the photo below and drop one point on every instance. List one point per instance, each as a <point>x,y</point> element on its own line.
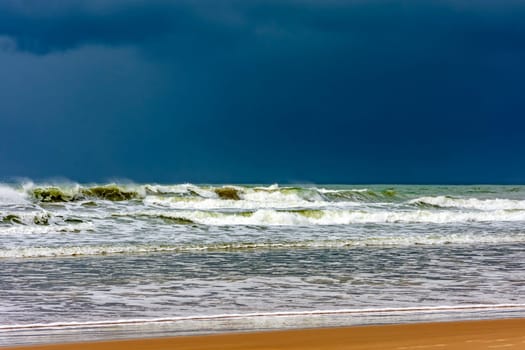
<point>249,198</point>
<point>179,189</point>
<point>44,229</point>
<point>27,217</point>
<point>64,251</point>
<point>472,203</point>
<point>361,190</point>
<point>9,195</point>
<point>334,217</point>
<point>276,197</point>
<point>251,201</point>
<point>372,241</point>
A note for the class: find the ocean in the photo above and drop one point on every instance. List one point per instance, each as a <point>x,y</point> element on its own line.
<point>105,261</point>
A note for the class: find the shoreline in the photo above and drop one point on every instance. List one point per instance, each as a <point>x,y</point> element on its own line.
<point>480,334</point>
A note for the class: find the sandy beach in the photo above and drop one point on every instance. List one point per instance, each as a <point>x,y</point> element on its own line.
<point>487,334</point>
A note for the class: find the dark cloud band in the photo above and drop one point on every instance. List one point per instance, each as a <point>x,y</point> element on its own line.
<point>62,26</point>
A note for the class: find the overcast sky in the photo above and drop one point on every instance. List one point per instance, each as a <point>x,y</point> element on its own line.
<point>321,91</point>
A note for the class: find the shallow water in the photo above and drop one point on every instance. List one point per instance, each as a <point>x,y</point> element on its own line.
<point>80,254</point>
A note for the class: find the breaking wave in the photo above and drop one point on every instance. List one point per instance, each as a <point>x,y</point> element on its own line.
<point>107,192</point>
<point>115,192</point>
<point>471,203</point>
<point>40,222</point>
<point>269,217</point>
<point>30,208</point>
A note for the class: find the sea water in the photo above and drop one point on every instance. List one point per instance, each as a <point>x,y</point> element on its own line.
<point>82,262</point>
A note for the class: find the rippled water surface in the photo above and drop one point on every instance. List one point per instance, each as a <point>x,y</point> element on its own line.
<point>111,253</point>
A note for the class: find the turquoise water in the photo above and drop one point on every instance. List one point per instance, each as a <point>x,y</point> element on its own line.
<point>126,260</point>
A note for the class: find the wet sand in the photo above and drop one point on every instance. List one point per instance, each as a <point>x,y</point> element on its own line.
<point>490,334</point>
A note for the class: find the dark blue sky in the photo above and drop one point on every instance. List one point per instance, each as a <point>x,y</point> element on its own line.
<point>357,91</point>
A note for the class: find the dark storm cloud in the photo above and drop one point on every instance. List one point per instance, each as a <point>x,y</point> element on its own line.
<point>202,90</point>
<point>43,27</point>
<point>57,28</point>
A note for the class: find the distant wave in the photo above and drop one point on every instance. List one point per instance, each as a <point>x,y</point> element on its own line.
<point>471,203</point>
<point>116,192</point>
<point>188,196</point>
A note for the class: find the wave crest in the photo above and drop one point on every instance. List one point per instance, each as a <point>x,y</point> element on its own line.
<point>470,203</point>
<point>107,192</point>
<point>309,217</point>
